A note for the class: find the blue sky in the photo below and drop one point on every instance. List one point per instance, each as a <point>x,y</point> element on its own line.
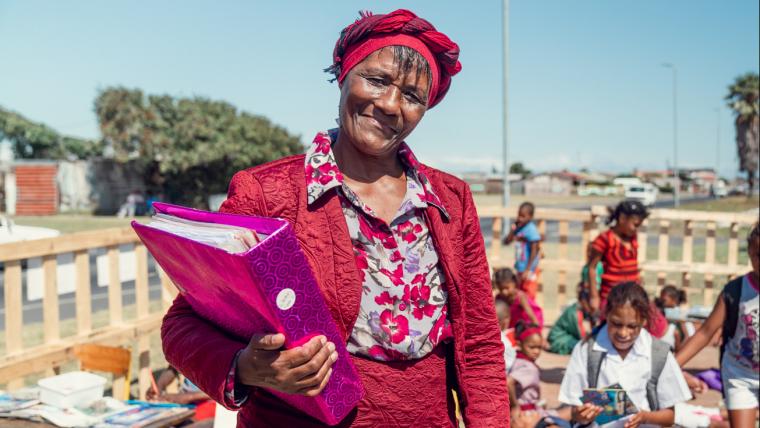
<point>587,88</point>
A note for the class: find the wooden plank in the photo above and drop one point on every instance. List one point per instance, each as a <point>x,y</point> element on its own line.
<point>662,249</point>
<point>114,286</point>
<point>540,213</point>
<point>679,267</point>
<point>141,280</point>
<point>586,239</point>
<point>40,358</point>
<point>168,290</point>
<point>144,374</point>
<point>564,230</point>
<point>710,260</point>
<point>664,241</point>
<point>688,241</point>
<point>733,244</point>
<point>710,243</point>
<point>83,297</point>
<point>496,232</point>
<point>703,216</point>
<point>50,310</point>
<point>641,239</point>
<point>67,244</point>
<point>13,308</point>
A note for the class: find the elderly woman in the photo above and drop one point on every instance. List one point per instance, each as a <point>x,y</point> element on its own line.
<point>394,244</point>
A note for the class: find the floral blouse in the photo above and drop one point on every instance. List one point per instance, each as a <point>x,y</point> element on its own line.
<point>403,308</point>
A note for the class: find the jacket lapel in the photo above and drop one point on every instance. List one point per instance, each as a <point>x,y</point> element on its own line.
<point>346,275</point>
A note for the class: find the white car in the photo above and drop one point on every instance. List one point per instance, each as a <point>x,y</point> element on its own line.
<point>645,193</point>
<point>11,232</point>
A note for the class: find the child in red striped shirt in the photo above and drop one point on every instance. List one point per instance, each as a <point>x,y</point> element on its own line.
<point>617,249</point>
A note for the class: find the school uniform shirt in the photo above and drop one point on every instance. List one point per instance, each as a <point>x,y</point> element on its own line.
<point>524,237</point>
<point>632,373</point>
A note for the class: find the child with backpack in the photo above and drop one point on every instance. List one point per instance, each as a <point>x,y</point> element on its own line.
<point>617,249</point>
<point>737,313</point>
<point>527,249</point>
<point>623,353</point>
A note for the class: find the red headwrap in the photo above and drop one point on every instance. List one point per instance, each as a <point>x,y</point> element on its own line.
<point>529,332</point>
<point>399,28</point>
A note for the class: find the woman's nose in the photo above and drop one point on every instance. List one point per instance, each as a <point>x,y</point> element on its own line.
<point>390,101</point>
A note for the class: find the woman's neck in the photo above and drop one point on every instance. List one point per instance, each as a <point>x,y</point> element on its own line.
<point>358,166</point>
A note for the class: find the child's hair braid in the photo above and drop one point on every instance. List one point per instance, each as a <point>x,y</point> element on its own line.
<point>628,207</point>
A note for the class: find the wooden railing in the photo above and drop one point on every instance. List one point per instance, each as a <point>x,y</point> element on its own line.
<point>563,260</point>
<point>565,253</point>
<point>19,361</point>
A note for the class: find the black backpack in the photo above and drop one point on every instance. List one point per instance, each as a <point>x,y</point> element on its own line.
<point>731,295</point>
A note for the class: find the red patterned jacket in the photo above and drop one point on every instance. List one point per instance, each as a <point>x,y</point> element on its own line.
<point>278,189</point>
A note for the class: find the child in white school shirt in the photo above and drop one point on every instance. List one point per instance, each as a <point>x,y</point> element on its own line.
<point>627,361</point>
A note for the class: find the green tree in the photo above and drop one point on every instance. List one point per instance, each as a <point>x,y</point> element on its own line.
<point>188,147</point>
<point>32,140</point>
<point>519,168</point>
<point>742,98</point>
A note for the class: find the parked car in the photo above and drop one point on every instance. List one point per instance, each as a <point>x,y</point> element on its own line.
<point>646,193</point>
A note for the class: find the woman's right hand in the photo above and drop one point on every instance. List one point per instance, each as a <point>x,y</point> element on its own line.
<point>302,370</point>
<point>586,413</point>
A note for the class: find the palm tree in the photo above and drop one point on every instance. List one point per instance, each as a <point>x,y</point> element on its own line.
<point>743,100</point>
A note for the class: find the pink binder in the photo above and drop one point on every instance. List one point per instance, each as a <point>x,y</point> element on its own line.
<point>270,288</point>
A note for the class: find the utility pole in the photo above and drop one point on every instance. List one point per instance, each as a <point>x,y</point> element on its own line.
<point>676,177</point>
<point>504,99</point>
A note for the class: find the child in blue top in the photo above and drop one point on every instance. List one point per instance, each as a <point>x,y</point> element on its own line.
<point>527,250</point>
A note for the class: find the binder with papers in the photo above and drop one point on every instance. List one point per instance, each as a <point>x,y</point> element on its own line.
<point>249,276</point>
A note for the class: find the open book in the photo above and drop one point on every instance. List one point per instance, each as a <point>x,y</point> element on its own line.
<point>249,276</point>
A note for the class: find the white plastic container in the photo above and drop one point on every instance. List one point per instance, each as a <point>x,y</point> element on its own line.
<point>71,389</point>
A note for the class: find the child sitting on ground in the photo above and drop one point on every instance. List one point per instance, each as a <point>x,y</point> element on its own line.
<point>524,376</point>
<point>737,313</point>
<point>623,353</point>
<point>521,306</point>
<point>571,327</point>
<point>527,249</point>
<point>669,303</point>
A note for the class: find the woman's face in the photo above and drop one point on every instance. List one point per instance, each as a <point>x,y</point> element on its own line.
<point>623,327</point>
<point>380,105</point>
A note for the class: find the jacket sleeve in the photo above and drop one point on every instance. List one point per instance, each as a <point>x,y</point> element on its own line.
<point>198,349</point>
<point>487,400</point>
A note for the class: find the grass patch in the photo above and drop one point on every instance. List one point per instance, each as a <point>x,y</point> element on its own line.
<point>728,204</point>
<point>71,223</point>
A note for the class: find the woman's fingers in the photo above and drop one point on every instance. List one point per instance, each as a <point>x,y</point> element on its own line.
<point>308,374</point>
<point>314,379</point>
<point>312,392</point>
<point>300,355</point>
